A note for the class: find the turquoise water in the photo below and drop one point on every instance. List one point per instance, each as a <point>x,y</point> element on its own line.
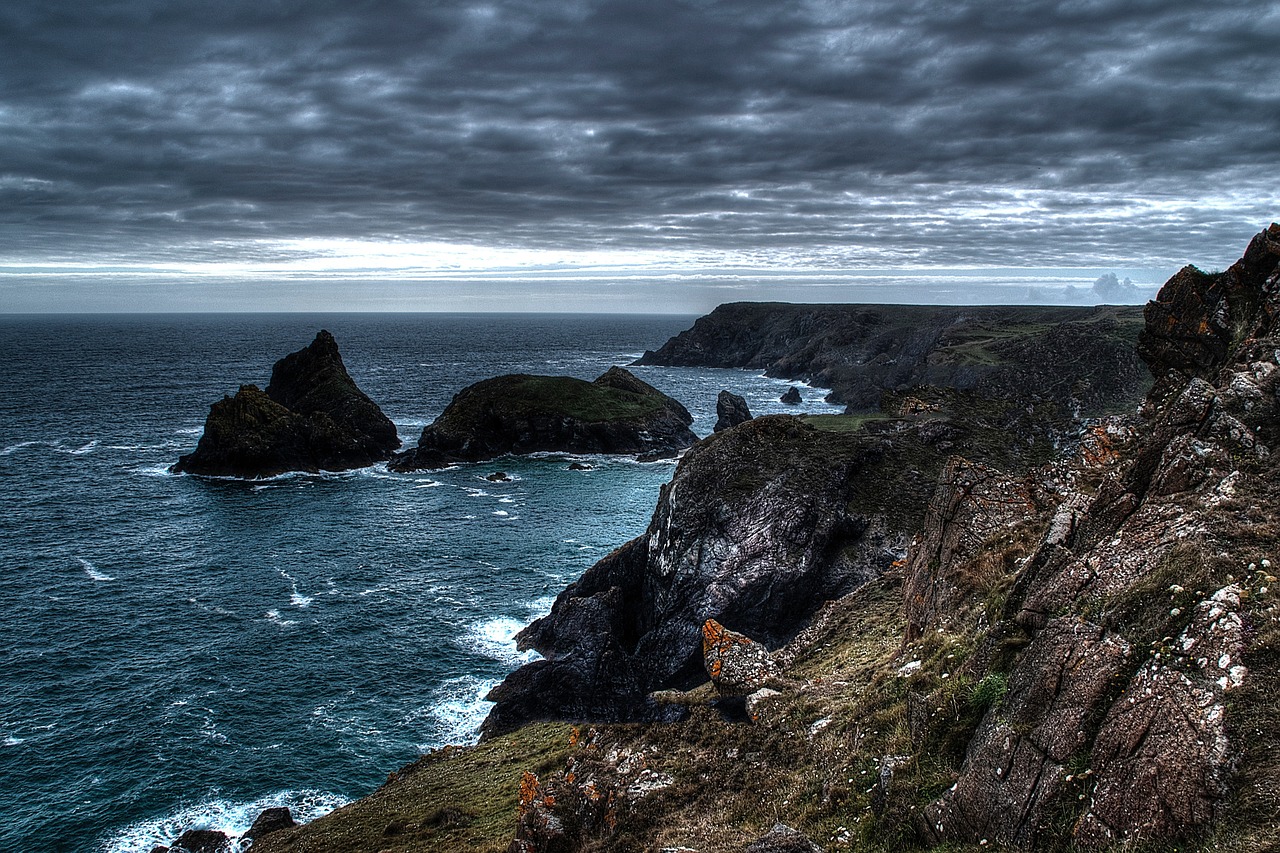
<point>182,651</point>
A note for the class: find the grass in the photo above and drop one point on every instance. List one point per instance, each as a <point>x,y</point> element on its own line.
<point>842,423</point>
<point>458,798</point>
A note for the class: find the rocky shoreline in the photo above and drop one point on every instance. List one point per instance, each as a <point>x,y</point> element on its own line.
<point>971,645</point>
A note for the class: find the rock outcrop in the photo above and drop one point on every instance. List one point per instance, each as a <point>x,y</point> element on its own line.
<point>759,526</point>
<point>791,396</point>
<point>1080,358</point>
<point>312,417</point>
<point>519,413</point>
<point>731,410</point>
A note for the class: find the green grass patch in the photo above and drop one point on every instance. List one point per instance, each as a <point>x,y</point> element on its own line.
<point>842,423</point>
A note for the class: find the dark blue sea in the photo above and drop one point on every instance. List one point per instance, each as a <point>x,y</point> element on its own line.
<point>180,652</point>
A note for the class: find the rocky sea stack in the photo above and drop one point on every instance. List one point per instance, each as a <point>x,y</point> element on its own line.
<point>312,417</point>
<point>520,413</point>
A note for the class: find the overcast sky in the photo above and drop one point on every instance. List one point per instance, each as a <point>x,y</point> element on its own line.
<point>624,154</point>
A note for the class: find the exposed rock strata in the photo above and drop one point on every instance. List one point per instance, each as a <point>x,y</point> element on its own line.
<point>312,417</point>
<point>519,413</point>
<point>1080,358</point>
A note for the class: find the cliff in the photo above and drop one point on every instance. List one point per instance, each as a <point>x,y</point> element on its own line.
<point>1081,358</point>
<point>519,413</point>
<point>312,417</point>
<point>1076,653</point>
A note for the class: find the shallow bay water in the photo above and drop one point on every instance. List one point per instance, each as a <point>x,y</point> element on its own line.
<point>184,651</point>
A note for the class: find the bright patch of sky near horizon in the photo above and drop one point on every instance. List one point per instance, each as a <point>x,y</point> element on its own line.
<point>603,155</point>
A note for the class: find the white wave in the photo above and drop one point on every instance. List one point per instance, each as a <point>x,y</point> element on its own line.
<point>10,740</point>
<point>158,470</point>
<point>430,484</point>
<point>84,448</point>
<point>273,615</point>
<point>92,571</point>
<point>502,513</point>
<point>457,710</point>
<point>196,430</point>
<point>229,816</point>
<point>506,500</point>
<point>496,639</point>
<point>296,598</point>
<point>13,448</point>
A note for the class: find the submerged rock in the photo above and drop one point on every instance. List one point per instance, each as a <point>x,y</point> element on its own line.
<point>731,410</point>
<point>519,413</point>
<point>312,417</point>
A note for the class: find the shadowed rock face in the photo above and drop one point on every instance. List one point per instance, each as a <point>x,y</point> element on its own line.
<point>312,417</point>
<point>519,413</point>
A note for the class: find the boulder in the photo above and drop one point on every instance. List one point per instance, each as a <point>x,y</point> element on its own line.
<point>271,820</point>
<point>731,410</point>
<point>782,839</point>
<point>202,841</point>
<point>791,396</point>
<point>312,417</point>
<point>737,664</point>
<point>520,413</point>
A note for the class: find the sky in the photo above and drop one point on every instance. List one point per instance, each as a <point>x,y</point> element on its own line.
<point>620,155</point>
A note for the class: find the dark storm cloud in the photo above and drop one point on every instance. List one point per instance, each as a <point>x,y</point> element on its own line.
<point>990,132</point>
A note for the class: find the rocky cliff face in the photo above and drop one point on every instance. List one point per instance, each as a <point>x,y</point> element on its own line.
<point>312,417</point>
<point>756,530</point>
<point>617,413</point>
<point>1136,605</point>
<point>1080,358</point>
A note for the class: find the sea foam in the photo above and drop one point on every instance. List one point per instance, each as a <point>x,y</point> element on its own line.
<point>92,571</point>
<point>458,709</point>
<point>228,816</point>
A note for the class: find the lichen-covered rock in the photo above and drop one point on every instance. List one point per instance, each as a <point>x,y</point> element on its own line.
<point>737,664</point>
<point>312,417</point>
<point>731,410</point>
<point>519,413</point>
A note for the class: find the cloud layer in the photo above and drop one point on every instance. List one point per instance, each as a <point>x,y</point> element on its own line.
<point>815,134</point>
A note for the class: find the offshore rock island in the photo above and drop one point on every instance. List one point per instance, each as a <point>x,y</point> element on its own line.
<point>519,414</point>
<point>312,417</point>
<point>982,614</point>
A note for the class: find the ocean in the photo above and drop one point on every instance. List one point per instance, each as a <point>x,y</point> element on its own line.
<point>184,652</point>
